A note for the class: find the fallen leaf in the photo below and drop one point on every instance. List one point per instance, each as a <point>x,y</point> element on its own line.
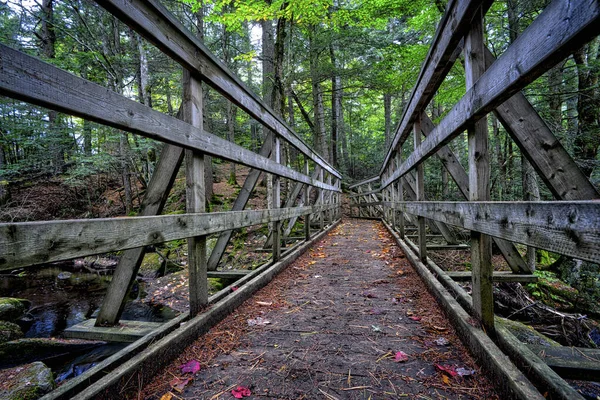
<point>167,396</point>
<point>190,367</point>
<point>240,392</point>
<point>179,383</point>
<point>234,288</point>
<point>465,372</point>
<point>400,272</point>
<point>450,370</point>
<point>445,379</point>
<point>442,341</point>
<point>415,318</point>
<point>264,303</point>
<point>440,328</point>
<point>258,321</point>
<point>400,356</point>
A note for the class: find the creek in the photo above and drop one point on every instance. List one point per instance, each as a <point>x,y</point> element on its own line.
<point>62,296</point>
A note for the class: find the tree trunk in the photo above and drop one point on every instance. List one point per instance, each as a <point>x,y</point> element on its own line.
<point>268,70</point>
<point>387,110</point>
<point>337,121</point>
<point>317,93</point>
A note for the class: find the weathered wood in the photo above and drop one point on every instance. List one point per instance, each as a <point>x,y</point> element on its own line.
<point>276,193</point>
<point>228,274</point>
<point>370,180</point>
<point>459,175</point>
<point>479,181</point>
<point>441,247</point>
<point>452,28</point>
<point>535,367</point>
<point>239,204</point>
<point>481,346</point>
<point>156,196</point>
<point>543,150</point>
<point>307,202</point>
<point>29,79</point>
<point>32,243</point>
<point>153,21</point>
<point>195,196</point>
<point>570,362</point>
<point>499,276</point>
<point>545,42</point>
<point>127,331</point>
<point>570,228</point>
<point>420,195</point>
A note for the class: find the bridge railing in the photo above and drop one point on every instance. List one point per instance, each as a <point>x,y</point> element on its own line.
<point>28,244</point>
<point>569,226</point>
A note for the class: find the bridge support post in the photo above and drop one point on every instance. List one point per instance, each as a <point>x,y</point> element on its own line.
<point>307,203</point>
<point>276,231</point>
<point>420,195</point>
<point>195,196</point>
<point>479,181</point>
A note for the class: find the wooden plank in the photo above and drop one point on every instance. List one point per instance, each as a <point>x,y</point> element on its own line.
<point>535,367</point>
<point>561,27</point>
<point>454,25</point>
<point>127,331</point>
<point>307,202</point>
<point>239,204</point>
<point>499,276</point>
<point>276,193</point>
<point>370,180</point>
<point>29,79</point>
<point>543,150</point>
<point>442,247</point>
<point>229,274</point>
<point>153,21</point>
<point>570,228</point>
<point>459,175</point>
<point>31,243</point>
<point>195,196</point>
<point>570,362</point>
<point>156,196</point>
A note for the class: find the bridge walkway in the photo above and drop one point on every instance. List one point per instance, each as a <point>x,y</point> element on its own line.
<point>332,326</point>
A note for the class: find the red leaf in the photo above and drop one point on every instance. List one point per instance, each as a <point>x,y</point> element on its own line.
<point>401,356</point>
<point>450,370</point>
<point>415,318</point>
<point>190,367</point>
<point>240,392</point>
<point>234,288</point>
<point>179,383</point>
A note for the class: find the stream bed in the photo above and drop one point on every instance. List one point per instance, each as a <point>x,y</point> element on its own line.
<point>62,296</point>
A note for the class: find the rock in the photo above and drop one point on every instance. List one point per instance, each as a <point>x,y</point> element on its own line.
<point>26,382</point>
<point>12,309</point>
<point>26,350</point>
<point>64,275</point>
<point>9,331</point>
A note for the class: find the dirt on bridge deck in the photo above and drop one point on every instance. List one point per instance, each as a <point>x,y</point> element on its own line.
<point>350,319</point>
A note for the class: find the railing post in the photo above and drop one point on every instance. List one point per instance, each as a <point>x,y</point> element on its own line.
<point>195,196</point>
<point>330,201</point>
<point>306,202</point>
<point>276,200</point>
<point>400,196</point>
<point>422,238</point>
<point>322,202</point>
<point>479,181</point>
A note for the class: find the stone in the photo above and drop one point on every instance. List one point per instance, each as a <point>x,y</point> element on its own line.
<point>26,382</point>
<point>12,309</point>
<point>26,350</point>
<point>9,331</point>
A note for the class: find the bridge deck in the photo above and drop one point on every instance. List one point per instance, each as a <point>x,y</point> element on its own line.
<point>338,316</point>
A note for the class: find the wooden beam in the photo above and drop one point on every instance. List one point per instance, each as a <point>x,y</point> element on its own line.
<point>561,27</point>
<point>570,362</point>
<point>153,21</point>
<point>29,79</point>
<point>370,180</point>
<point>442,247</point>
<point>570,228</point>
<point>454,25</point>
<point>500,276</point>
<point>276,193</point>
<point>129,263</point>
<point>543,150</point>
<point>459,175</point>
<point>420,195</point>
<point>31,243</point>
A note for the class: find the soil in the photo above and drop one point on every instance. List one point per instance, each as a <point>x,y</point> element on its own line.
<point>338,318</point>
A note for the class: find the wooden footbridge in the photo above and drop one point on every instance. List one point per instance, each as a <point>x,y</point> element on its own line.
<point>569,226</point>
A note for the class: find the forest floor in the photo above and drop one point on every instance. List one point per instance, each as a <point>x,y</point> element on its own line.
<point>349,319</point>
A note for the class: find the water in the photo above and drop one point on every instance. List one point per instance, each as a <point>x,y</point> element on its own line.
<point>62,296</point>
